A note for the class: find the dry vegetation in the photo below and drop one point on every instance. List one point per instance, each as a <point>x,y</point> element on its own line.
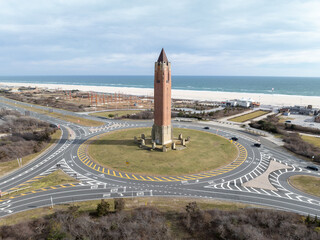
<point>116,114</point>
<point>228,111</point>
<point>23,135</point>
<point>291,136</point>
<point>65,117</point>
<point>8,167</point>
<point>307,184</point>
<point>108,222</point>
<point>47,101</point>
<point>312,140</point>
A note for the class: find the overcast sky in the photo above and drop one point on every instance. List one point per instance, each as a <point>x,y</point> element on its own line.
<point>205,37</point>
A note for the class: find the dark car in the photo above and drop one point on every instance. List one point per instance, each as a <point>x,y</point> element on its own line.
<point>257,144</point>
<point>234,139</point>
<point>288,121</point>
<point>206,128</point>
<point>313,168</point>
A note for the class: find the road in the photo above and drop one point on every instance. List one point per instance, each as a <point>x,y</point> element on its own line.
<point>97,182</point>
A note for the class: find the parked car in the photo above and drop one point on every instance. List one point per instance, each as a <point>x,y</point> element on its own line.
<point>257,144</point>
<point>313,168</point>
<point>234,139</point>
<point>206,128</point>
<point>288,121</point>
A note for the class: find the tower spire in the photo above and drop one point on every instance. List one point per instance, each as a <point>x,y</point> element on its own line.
<point>162,56</point>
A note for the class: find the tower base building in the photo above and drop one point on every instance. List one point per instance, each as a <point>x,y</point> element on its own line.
<point>161,134</point>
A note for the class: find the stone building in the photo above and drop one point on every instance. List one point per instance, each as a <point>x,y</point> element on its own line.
<point>162,130</point>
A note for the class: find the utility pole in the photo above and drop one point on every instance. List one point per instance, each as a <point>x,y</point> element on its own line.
<point>51,202</point>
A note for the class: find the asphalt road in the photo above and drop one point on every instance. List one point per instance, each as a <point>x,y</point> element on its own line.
<point>97,182</point>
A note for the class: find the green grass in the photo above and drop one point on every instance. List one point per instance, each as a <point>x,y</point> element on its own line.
<point>7,167</point>
<point>248,116</point>
<point>120,113</point>
<point>312,140</point>
<point>166,205</point>
<point>307,184</point>
<point>206,151</point>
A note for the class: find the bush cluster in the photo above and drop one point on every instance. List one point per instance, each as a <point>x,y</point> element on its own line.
<point>47,101</point>
<point>150,223</point>
<point>24,135</point>
<point>141,115</point>
<point>244,224</point>
<point>290,135</point>
<point>141,223</point>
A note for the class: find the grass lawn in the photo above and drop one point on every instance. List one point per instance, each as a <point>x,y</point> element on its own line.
<point>248,116</point>
<point>7,167</point>
<point>312,140</point>
<point>120,113</point>
<point>206,151</point>
<point>307,184</point>
<point>58,177</point>
<point>73,119</point>
<point>164,204</point>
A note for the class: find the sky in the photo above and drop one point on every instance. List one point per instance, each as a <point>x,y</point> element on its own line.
<point>200,37</point>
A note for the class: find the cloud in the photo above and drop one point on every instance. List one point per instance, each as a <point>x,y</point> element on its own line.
<point>124,37</point>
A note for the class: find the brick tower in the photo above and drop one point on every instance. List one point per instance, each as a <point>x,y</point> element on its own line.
<point>161,130</point>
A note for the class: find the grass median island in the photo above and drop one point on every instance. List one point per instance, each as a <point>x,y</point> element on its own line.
<point>119,113</point>
<point>56,178</point>
<point>307,184</point>
<point>205,152</point>
<point>248,116</point>
<point>7,167</point>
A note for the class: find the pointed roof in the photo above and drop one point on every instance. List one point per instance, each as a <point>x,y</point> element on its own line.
<point>162,56</point>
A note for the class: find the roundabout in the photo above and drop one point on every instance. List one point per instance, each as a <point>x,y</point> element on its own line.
<point>222,157</point>
<point>225,182</point>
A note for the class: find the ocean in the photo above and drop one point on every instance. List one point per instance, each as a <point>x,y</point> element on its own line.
<point>303,86</point>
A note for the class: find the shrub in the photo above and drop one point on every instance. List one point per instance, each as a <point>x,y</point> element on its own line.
<point>119,204</point>
<point>103,208</point>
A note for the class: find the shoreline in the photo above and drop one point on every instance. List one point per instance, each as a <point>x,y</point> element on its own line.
<point>264,99</point>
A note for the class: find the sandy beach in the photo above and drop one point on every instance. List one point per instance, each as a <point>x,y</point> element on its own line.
<point>264,99</point>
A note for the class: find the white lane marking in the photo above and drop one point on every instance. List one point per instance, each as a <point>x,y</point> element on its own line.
<point>287,194</point>
<point>275,193</point>
<point>265,191</point>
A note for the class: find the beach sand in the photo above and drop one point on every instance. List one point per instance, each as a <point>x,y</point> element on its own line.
<point>264,99</point>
